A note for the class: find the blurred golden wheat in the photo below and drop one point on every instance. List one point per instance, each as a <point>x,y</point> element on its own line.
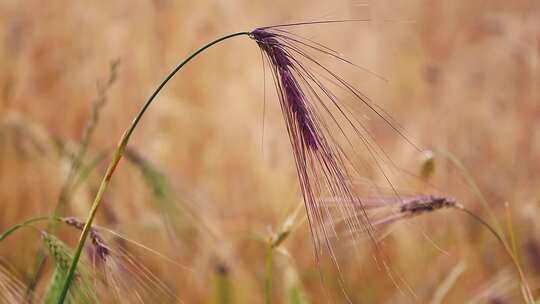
<point>463,79</point>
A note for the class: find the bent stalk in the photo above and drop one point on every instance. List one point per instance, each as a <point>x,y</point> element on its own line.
<point>116,159</point>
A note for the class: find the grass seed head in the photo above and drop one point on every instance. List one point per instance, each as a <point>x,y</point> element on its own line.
<point>57,249</point>
<point>312,113</point>
<point>429,203</point>
<point>81,289</point>
<point>99,246</point>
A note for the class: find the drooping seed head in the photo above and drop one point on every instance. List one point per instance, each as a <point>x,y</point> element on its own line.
<point>100,248</point>
<point>330,142</point>
<point>422,204</point>
<point>291,95</point>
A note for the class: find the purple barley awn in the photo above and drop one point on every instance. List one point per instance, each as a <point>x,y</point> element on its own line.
<point>314,118</point>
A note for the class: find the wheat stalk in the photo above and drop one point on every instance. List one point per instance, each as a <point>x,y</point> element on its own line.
<point>116,159</point>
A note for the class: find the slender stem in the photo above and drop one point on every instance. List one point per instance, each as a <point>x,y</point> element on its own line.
<point>527,290</point>
<point>116,159</point>
<point>269,276</point>
<point>470,181</point>
<point>12,229</point>
<point>223,286</point>
<point>510,229</point>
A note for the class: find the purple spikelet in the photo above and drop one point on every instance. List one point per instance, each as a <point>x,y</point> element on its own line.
<point>293,99</point>
<point>330,143</point>
<point>332,146</point>
<point>312,114</point>
<point>99,248</point>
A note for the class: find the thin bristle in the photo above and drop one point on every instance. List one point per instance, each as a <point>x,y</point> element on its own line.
<point>315,22</point>
<point>324,168</point>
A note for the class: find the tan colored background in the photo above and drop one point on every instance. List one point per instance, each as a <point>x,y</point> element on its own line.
<point>464,77</point>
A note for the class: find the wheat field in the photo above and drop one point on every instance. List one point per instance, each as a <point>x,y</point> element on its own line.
<point>208,188</point>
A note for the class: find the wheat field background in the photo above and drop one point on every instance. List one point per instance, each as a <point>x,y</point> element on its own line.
<point>463,78</point>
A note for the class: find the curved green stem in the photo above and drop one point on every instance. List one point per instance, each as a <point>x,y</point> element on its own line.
<point>525,284</point>
<point>116,159</point>
<point>12,229</point>
<point>485,224</point>
<point>470,181</point>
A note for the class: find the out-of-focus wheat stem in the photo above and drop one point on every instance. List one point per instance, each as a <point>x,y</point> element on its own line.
<point>269,276</point>
<point>223,285</point>
<point>75,175</point>
<point>78,159</point>
<point>497,231</point>
<point>12,229</point>
<point>116,159</point>
<point>526,290</point>
<point>470,181</point>
<point>275,240</point>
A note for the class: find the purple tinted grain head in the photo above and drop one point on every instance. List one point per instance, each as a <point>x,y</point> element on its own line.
<point>426,203</point>
<point>316,121</point>
<point>326,136</point>
<point>291,94</point>
<point>99,248</point>
<point>389,210</point>
<point>326,133</point>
